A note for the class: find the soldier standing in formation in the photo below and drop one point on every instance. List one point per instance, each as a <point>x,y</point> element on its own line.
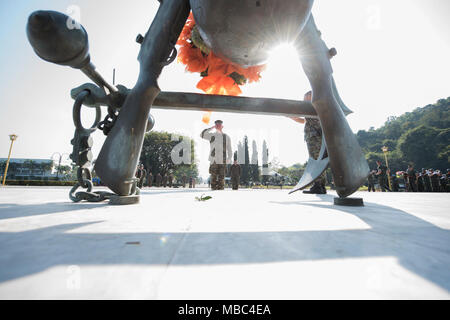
<point>420,184</point>
<point>313,138</point>
<point>405,181</point>
<point>141,173</point>
<point>371,180</point>
<point>170,180</point>
<point>220,154</point>
<point>444,181</point>
<point>235,175</point>
<point>411,178</point>
<point>426,181</point>
<point>150,179</point>
<point>158,180</point>
<point>382,176</point>
<point>395,184</point>
<point>435,181</point>
<point>138,174</point>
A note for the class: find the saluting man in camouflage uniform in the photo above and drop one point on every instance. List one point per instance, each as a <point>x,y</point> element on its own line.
<point>220,154</point>
<point>313,138</point>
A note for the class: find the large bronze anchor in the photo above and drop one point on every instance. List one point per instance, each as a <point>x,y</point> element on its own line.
<point>244,31</point>
<point>239,31</point>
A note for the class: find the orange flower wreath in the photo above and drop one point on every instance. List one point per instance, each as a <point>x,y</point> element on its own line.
<point>219,77</point>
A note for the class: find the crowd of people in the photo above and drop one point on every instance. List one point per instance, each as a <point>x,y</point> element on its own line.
<point>425,180</point>
<point>161,180</point>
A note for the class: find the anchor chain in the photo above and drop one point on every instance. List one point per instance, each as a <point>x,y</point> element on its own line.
<point>82,154</point>
<point>108,123</point>
<point>86,183</point>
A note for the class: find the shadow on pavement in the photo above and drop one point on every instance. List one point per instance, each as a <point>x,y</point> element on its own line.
<point>419,246</point>
<point>13,210</point>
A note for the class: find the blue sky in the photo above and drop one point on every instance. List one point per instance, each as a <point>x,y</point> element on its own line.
<point>392,58</point>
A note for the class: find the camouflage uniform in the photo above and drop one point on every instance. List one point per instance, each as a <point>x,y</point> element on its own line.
<point>434,182</point>
<point>445,182</point>
<point>382,178</point>
<point>218,162</point>
<point>412,179</point>
<point>140,175</point>
<point>150,179</point>
<point>217,172</point>
<point>142,178</point>
<point>158,180</point>
<point>371,180</point>
<point>313,138</point>
<point>405,181</point>
<point>426,182</point>
<point>420,186</point>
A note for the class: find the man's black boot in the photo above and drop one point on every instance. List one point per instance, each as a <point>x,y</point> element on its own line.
<point>315,189</point>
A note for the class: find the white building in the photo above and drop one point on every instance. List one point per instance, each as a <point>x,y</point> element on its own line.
<point>28,169</point>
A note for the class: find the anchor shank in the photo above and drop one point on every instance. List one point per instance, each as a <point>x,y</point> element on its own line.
<point>90,71</point>
<point>117,161</point>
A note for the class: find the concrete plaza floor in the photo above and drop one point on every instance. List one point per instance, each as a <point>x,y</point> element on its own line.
<point>249,244</point>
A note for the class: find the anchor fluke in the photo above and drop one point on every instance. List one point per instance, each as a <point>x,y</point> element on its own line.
<point>314,168</point>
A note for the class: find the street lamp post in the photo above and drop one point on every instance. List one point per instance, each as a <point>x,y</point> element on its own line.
<point>59,162</point>
<point>385,151</point>
<point>12,137</point>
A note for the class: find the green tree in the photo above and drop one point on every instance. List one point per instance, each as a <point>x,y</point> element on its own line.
<point>46,166</point>
<point>157,154</point>
<point>420,136</point>
<point>65,171</point>
<point>293,173</point>
<point>423,145</point>
<point>185,170</point>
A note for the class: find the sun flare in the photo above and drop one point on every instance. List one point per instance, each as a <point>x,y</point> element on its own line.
<point>282,54</point>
